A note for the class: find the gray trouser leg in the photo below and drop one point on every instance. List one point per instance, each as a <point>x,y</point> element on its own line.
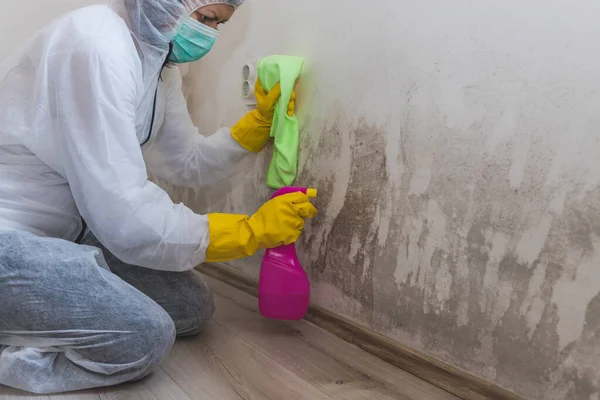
<point>183,295</point>
<point>68,323</point>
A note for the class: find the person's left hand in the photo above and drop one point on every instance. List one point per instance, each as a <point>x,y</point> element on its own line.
<point>253,131</point>
<point>266,102</point>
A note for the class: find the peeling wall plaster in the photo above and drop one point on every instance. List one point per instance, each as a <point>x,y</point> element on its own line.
<point>455,146</point>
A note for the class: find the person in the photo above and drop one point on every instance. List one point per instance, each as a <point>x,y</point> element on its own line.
<point>87,109</point>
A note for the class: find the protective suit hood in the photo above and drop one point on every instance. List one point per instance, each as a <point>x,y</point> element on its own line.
<point>153,25</point>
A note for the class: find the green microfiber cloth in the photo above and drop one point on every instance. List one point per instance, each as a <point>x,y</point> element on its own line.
<point>286,130</point>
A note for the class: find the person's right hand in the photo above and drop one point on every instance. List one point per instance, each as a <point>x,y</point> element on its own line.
<point>279,222</point>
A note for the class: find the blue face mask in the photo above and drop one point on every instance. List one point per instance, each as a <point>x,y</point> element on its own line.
<point>193,41</point>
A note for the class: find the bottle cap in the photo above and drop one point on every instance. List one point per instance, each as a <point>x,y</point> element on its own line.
<point>312,193</point>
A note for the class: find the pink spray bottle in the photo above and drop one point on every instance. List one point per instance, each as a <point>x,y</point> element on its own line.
<point>284,287</point>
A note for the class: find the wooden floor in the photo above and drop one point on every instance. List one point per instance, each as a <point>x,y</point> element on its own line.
<point>243,356</point>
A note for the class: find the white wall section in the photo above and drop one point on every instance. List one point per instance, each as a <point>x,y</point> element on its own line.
<point>455,146</point>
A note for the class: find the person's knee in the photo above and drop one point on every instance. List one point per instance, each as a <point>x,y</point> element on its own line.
<point>155,338</point>
<point>197,308</point>
<point>149,339</point>
<point>129,348</point>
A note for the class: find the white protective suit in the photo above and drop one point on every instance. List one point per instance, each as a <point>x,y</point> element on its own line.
<point>83,111</point>
<point>76,111</point>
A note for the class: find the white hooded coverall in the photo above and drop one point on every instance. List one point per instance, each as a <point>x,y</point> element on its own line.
<point>83,113</point>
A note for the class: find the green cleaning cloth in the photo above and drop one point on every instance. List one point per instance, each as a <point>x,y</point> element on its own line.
<point>285,130</point>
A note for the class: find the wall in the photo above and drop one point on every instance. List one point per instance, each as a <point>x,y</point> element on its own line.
<point>455,146</point>
<point>23,18</point>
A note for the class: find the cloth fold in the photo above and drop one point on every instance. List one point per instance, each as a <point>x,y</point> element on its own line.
<point>285,130</point>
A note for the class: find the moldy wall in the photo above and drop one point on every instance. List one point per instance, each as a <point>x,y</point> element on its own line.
<point>456,149</point>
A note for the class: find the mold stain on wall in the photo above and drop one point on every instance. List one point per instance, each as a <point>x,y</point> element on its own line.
<point>346,259</point>
<point>447,255</point>
<point>467,238</point>
<point>491,276</point>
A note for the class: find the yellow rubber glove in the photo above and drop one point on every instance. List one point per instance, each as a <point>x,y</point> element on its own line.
<point>279,222</point>
<point>253,131</point>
